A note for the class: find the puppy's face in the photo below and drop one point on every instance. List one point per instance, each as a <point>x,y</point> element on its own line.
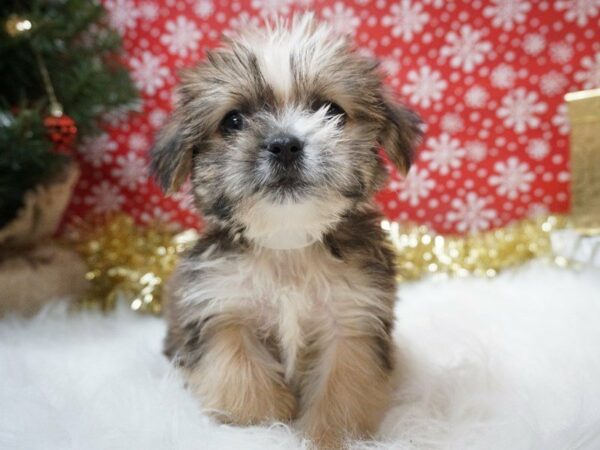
<point>280,130</point>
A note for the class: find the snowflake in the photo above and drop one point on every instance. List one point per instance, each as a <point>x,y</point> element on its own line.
<point>534,43</point>
<point>415,186</point>
<point>122,14</point>
<point>476,97</point>
<point>537,210</point>
<point>105,198</point>
<point>181,37</point>
<point>157,118</point>
<point>476,151</point>
<point>443,153</point>
<point>590,76</point>
<point>513,177</point>
<point>138,142</point>
<point>406,19</point>
<point>97,150</point>
<point>148,73</point>
<point>561,120</point>
<point>204,8</point>
<point>465,48</point>
<point>341,18</point>
<point>452,123</point>
<point>241,21</point>
<point>520,108</point>
<point>561,52</point>
<point>391,65</point>
<point>425,85</point>
<point>471,214</point>
<point>149,11</point>
<point>553,83</point>
<point>271,8</point>
<point>156,215</point>
<point>503,76</point>
<point>538,149</point>
<point>131,170</point>
<point>507,13</point>
<point>578,10</point>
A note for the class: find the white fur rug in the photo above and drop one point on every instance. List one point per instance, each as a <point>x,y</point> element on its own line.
<point>512,363</point>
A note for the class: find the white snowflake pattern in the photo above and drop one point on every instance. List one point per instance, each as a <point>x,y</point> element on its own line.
<point>105,198</point>
<point>415,186</point>
<point>452,123</point>
<point>520,109</point>
<point>476,97</point>
<point>507,13</point>
<point>204,8</point>
<point>476,151</point>
<point>471,214</point>
<point>138,142</point>
<point>513,177</point>
<point>405,19</point>
<point>561,119</point>
<point>123,14</point>
<point>149,11</point>
<point>534,43</point>
<point>341,17</point>
<point>157,117</point>
<point>97,150</point>
<point>272,8</point>
<point>443,153</point>
<point>184,196</point>
<point>156,215</point>
<point>131,170</point>
<point>425,86</point>
<point>538,149</point>
<point>590,75</point>
<point>578,11</point>
<point>182,36</point>
<point>241,21</point>
<point>391,65</point>
<point>561,52</point>
<point>553,83</point>
<point>465,49</point>
<point>536,210</point>
<point>148,72</point>
<point>503,76</point>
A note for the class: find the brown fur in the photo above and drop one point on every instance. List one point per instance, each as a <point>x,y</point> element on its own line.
<point>262,333</point>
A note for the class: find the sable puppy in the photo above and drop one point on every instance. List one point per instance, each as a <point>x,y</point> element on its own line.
<point>284,308</point>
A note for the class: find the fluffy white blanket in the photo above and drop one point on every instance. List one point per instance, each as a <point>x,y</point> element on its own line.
<point>509,363</point>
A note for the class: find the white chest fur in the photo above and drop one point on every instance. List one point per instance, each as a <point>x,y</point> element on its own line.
<point>284,290</point>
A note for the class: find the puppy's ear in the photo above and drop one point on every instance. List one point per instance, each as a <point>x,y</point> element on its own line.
<point>401,134</point>
<point>170,158</point>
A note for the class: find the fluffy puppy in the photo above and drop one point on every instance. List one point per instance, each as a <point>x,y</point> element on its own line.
<point>284,309</point>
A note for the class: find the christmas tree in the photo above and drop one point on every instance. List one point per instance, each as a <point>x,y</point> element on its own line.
<point>60,74</point>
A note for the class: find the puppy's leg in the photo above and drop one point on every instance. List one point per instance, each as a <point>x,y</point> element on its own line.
<point>347,390</point>
<point>238,380</point>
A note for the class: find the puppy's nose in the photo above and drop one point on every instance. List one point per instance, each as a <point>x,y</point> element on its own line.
<point>285,148</point>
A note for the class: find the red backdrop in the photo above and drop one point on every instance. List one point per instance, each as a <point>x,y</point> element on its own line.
<point>487,77</point>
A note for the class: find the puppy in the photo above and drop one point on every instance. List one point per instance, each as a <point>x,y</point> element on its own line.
<point>284,308</point>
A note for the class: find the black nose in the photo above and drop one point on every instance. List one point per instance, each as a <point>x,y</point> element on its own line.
<point>285,148</point>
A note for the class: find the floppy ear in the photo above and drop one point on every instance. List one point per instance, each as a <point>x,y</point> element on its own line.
<point>401,134</point>
<point>170,158</point>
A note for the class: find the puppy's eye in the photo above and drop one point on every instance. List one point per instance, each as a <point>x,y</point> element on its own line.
<point>233,121</point>
<point>333,109</point>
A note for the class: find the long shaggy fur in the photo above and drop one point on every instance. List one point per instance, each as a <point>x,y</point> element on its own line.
<point>284,309</point>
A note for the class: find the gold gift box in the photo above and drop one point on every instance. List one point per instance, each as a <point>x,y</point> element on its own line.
<point>584,115</point>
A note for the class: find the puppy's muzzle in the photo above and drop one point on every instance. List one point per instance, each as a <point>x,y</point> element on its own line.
<point>285,148</point>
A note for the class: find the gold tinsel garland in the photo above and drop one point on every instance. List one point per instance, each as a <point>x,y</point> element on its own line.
<point>130,262</point>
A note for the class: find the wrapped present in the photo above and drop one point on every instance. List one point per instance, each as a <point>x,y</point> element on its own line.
<point>584,115</point>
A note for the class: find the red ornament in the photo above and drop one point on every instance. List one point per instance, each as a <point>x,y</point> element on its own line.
<point>62,132</point>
